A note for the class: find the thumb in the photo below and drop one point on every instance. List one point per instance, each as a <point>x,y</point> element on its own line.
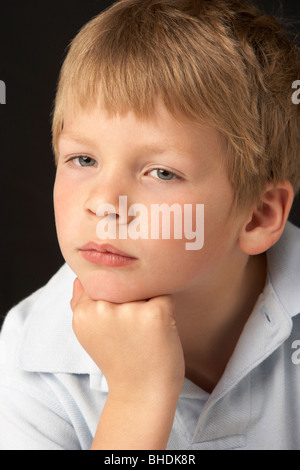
<point>77,292</point>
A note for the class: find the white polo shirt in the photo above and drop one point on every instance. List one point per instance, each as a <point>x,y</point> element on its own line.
<point>52,394</point>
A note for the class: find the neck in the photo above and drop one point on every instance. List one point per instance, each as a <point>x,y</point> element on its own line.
<point>210,320</point>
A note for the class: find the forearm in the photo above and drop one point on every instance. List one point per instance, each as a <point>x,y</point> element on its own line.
<point>135,426</point>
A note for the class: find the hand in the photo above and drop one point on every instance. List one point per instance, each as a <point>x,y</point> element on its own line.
<point>136,345</point>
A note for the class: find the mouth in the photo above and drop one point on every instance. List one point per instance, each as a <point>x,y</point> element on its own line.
<point>106,255</point>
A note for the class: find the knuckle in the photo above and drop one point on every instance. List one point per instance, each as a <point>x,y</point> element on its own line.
<point>161,306</point>
<point>156,314</point>
<point>161,313</point>
<point>101,307</point>
<point>79,318</point>
<point>105,312</point>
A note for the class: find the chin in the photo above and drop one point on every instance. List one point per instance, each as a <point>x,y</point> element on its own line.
<point>113,297</point>
<point>112,291</point>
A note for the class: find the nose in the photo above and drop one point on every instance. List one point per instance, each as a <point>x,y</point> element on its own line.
<point>108,195</point>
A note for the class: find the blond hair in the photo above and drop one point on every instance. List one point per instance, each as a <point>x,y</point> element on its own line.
<point>218,62</point>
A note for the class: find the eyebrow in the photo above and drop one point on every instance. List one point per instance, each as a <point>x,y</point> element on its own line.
<point>75,138</point>
<point>147,147</point>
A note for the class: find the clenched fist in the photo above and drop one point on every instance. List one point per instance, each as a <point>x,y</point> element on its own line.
<point>136,345</point>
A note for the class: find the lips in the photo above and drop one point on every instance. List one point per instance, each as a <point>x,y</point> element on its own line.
<point>106,255</point>
<point>104,248</point>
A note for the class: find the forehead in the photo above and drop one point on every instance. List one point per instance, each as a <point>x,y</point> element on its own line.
<point>160,129</point>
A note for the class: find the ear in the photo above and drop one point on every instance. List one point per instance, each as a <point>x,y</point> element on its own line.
<point>266,221</point>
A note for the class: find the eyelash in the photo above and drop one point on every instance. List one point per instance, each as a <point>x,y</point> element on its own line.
<point>78,157</point>
<point>175,177</point>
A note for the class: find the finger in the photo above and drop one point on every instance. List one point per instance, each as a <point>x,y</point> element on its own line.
<point>165,303</point>
<point>162,300</point>
<point>77,292</point>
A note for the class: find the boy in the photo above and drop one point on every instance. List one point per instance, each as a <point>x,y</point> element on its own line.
<point>185,103</point>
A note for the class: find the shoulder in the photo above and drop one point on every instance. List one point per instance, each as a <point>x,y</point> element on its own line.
<point>39,397</point>
<point>284,278</point>
<point>37,333</point>
<point>22,313</point>
<point>45,294</point>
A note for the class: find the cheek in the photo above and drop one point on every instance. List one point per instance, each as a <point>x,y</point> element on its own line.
<point>220,228</point>
<point>59,195</point>
<point>210,239</point>
<point>64,203</point>
<point>59,201</point>
<point>169,263</point>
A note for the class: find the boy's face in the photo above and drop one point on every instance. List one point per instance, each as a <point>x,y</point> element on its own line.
<point>150,162</point>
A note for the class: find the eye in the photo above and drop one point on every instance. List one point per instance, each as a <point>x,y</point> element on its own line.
<point>162,174</point>
<point>83,161</point>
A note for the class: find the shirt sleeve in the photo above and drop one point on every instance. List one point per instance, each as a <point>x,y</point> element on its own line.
<point>29,421</point>
<point>31,415</point>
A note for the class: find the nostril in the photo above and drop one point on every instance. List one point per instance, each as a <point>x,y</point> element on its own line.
<point>105,210</point>
<point>112,216</point>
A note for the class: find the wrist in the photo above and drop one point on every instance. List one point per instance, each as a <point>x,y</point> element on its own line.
<point>135,424</point>
<point>145,396</point>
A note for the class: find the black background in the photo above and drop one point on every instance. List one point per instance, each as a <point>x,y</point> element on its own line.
<point>34,36</point>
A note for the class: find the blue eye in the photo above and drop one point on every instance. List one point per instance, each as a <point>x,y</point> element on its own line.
<point>83,161</point>
<point>164,175</point>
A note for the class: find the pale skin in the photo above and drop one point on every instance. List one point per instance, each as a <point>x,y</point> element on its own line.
<point>173,313</point>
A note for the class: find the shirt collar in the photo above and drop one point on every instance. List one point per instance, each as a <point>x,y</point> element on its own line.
<point>270,322</point>
<point>48,343</point>
<point>268,327</point>
<point>283,269</point>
